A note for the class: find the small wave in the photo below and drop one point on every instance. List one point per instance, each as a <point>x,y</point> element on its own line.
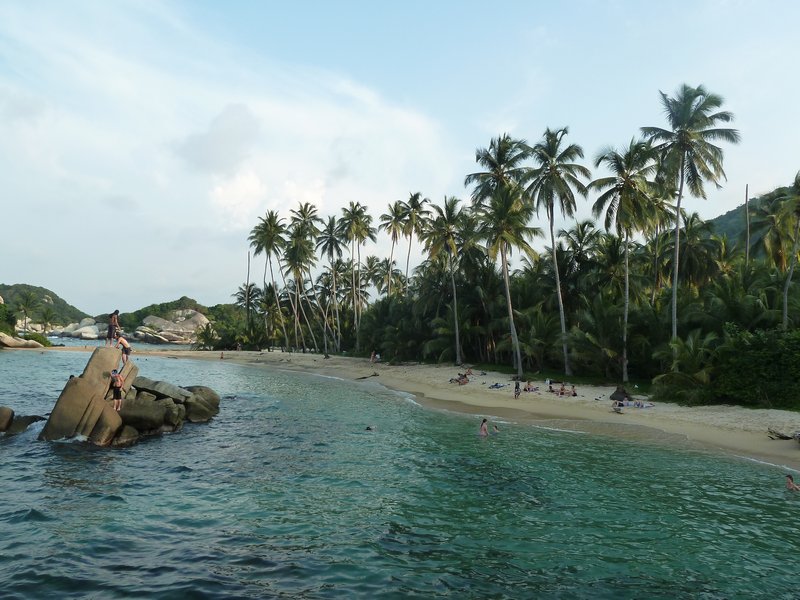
<point>559,429</point>
<point>767,463</point>
<point>29,515</point>
<point>181,469</point>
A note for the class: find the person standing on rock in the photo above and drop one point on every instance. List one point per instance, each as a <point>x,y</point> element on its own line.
<point>117,382</point>
<point>113,326</point>
<point>126,348</point>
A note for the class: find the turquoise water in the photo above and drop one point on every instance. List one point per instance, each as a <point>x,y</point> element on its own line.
<point>286,495</point>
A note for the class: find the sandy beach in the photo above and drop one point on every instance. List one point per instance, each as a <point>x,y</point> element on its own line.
<point>731,430</point>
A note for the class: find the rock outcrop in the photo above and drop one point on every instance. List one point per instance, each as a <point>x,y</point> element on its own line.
<point>11,424</point>
<point>85,406</point>
<point>6,341</point>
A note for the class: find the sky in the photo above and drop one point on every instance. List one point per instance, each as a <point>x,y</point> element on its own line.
<point>141,140</point>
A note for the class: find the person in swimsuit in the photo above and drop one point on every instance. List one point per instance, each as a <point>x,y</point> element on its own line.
<point>791,485</point>
<point>484,431</point>
<point>113,325</point>
<point>126,348</point>
<point>116,387</point>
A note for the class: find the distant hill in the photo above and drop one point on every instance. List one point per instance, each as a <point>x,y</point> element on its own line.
<point>733,223</point>
<point>64,313</point>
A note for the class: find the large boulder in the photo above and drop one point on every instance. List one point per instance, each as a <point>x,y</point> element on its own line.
<point>198,410</point>
<point>162,389</point>
<point>6,416</point>
<point>143,412</point>
<point>127,436</point>
<point>81,409</point>
<point>208,395</point>
<point>87,332</point>
<point>7,341</point>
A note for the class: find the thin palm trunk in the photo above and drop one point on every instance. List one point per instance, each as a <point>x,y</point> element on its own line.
<point>291,302</point>
<point>408,257</point>
<point>247,291</point>
<point>677,256</point>
<point>747,224</point>
<point>455,315</point>
<point>567,369</point>
<point>656,278</point>
<point>338,335</point>
<point>792,262</point>
<point>305,316</point>
<point>389,278</point>
<point>278,303</point>
<point>514,340</point>
<point>323,312</point>
<point>358,303</point>
<point>625,317</point>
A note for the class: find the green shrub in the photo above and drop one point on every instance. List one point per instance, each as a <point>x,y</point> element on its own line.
<point>37,337</point>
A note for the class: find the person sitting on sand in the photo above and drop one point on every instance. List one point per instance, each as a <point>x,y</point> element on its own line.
<point>791,485</point>
<point>528,386</point>
<point>574,393</point>
<point>484,430</point>
<point>468,371</point>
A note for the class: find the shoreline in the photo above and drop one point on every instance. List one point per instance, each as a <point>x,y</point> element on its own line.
<point>732,430</point>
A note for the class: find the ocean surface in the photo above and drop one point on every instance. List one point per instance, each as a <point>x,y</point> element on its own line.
<point>285,494</point>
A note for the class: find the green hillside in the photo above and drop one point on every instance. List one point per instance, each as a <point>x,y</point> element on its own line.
<point>44,299</point>
<point>132,320</point>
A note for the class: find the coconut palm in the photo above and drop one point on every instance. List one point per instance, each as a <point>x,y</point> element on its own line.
<point>268,237</point>
<point>791,208</point>
<point>26,303</point>
<point>553,183</point>
<point>299,257</point>
<point>330,244</point>
<point>690,156</point>
<point>441,243</point>
<point>414,215</point>
<point>47,315</point>
<point>504,219</point>
<point>356,228</point>
<point>503,163</point>
<point>625,196</point>
<point>393,223</point>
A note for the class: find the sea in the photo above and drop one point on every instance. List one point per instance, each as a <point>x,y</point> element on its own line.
<point>316,487</point>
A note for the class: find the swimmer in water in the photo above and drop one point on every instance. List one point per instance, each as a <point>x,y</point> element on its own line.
<point>484,428</point>
<point>791,485</point>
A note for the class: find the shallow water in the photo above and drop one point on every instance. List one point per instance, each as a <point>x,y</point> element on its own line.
<point>285,494</point>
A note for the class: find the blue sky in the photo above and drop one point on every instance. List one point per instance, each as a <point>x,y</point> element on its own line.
<point>140,141</point>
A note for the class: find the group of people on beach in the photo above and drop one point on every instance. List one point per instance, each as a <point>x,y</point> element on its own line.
<point>114,333</point>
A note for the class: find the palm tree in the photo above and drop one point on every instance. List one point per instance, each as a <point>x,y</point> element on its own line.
<point>247,297</point>
<point>414,215</point>
<point>206,338</point>
<point>26,303</point>
<point>440,237</point>
<point>356,227</point>
<point>393,223</point>
<point>552,182</point>
<point>625,197</point>
<point>268,237</point>
<point>503,163</point>
<point>791,210</point>
<point>47,316</point>
<point>504,225</point>
<point>689,153</point>
<point>330,243</point>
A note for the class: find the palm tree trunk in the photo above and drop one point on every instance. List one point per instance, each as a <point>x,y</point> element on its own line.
<point>338,336</point>
<point>291,302</point>
<point>278,303</point>
<point>391,260</point>
<point>677,256</point>
<point>408,257</point>
<point>305,316</point>
<point>625,317</point>
<point>514,339</point>
<point>567,369</point>
<point>455,315</point>
<point>792,262</point>
<point>656,279</point>
<point>247,291</point>
<point>747,225</point>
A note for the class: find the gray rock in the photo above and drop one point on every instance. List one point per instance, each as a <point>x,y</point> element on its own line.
<point>162,389</point>
<point>207,394</point>
<point>20,424</point>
